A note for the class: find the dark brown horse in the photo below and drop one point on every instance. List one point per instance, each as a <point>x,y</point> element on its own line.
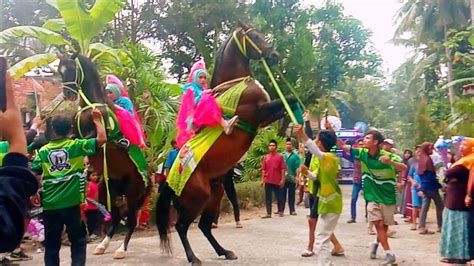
<point>126,185</point>
<point>203,192</point>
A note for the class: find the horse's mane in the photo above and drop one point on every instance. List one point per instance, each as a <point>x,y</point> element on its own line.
<point>90,72</point>
<point>219,56</point>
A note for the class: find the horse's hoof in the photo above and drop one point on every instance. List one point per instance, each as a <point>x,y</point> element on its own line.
<point>196,262</point>
<point>99,251</point>
<point>230,255</point>
<point>119,255</point>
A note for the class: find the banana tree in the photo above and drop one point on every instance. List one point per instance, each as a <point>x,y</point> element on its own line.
<point>77,22</point>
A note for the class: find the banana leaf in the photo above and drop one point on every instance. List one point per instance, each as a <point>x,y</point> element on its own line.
<point>27,64</point>
<point>54,24</point>
<point>83,23</point>
<point>46,36</point>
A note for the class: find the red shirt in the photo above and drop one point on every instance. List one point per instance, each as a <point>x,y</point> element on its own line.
<point>93,194</point>
<point>273,166</point>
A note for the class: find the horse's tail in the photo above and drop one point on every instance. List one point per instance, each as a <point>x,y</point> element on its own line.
<point>163,209</point>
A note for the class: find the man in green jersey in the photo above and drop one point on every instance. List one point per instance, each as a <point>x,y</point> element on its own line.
<point>3,150</point>
<point>379,174</point>
<point>61,163</point>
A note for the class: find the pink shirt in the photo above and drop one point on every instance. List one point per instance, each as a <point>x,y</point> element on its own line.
<point>93,194</point>
<point>273,166</point>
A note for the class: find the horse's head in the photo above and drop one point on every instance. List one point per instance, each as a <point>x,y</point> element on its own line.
<point>70,76</point>
<point>253,44</point>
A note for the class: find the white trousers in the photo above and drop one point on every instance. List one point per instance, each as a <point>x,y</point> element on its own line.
<point>324,229</point>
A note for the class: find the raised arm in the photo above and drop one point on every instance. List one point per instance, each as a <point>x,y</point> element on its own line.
<point>339,143</point>
<point>312,147</point>
<point>307,126</point>
<point>11,128</point>
<point>101,133</point>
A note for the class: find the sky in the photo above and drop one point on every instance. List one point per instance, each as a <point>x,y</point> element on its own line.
<point>377,16</point>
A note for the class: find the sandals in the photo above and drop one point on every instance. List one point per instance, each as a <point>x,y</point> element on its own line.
<point>307,253</point>
<point>425,232</point>
<point>453,261</point>
<point>238,225</point>
<point>337,253</point>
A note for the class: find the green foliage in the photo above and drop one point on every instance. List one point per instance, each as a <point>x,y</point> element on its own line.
<point>250,194</point>
<point>320,49</point>
<point>83,23</point>
<point>253,162</point>
<point>25,65</point>
<point>425,130</point>
<point>463,122</point>
<point>188,30</point>
<point>44,35</point>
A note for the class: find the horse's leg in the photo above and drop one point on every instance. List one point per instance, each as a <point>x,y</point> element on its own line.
<point>182,226</point>
<point>136,192</point>
<point>273,111</point>
<point>102,247</point>
<point>192,200</point>
<point>131,224</point>
<point>207,217</point>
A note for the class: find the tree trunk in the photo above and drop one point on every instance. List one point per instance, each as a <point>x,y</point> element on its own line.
<point>472,12</point>
<point>449,64</point>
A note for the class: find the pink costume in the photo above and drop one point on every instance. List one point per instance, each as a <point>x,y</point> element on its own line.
<point>130,124</point>
<point>198,108</point>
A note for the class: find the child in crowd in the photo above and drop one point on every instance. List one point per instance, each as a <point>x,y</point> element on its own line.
<point>35,225</point>
<point>92,213</point>
<point>415,181</point>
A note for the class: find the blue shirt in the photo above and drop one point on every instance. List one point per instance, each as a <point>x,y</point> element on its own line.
<point>429,182</point>
<point>171,157</point>
<point>412,173</point>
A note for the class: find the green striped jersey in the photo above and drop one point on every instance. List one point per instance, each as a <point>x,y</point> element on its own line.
<point>379,180</point>
<point>3,150</point>
<point>62,164</point>
<point>329,192</point>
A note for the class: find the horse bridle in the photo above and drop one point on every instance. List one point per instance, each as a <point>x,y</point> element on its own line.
<point>78,79</point>
<point>245,38</point>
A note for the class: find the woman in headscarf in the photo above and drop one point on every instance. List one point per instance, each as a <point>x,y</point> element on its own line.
<point>199,108</point>
<point>114,93</point>
<point>455,234</point>
<point>129,121</point>
<point>429,187</point>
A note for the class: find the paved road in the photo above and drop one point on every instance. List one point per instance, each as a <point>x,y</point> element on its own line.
<point>276,241</point>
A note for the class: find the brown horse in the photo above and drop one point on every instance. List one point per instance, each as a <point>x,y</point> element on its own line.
<point>126,185</point>
<point>203,192</point>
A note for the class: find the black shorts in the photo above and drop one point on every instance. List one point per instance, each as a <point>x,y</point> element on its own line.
<point>313,207</point>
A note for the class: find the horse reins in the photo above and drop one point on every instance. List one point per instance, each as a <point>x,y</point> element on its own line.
<point>245,38</point>
<point>243,49</point>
